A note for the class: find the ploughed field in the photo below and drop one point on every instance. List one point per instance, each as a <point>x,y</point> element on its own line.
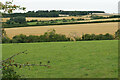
<point>84,59</point>
<point>68,30</point>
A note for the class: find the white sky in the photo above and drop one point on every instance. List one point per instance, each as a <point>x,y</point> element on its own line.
<point>109,6</point>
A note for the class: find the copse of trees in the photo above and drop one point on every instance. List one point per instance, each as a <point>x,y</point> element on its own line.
<point>18,20</point>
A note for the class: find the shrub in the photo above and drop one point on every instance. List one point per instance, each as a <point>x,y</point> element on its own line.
<point>32,38</point>
<point>51,36</point>
<point>117,34</point>
<point>6,40</point>
<point>86,37</point>
<point>8,71</point>
<point>107,36</point>
<point>9,65</point>
<point>19,38</point>
<point>10,22</point>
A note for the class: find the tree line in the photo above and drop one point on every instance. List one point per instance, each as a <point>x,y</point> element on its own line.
<point>51,13</point>
<point>101,17</point>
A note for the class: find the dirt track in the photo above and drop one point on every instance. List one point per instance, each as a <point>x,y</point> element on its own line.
<point>78,29</point>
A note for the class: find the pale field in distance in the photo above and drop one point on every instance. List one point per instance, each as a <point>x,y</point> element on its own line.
<point>75,29</point>
<point>46,18</point>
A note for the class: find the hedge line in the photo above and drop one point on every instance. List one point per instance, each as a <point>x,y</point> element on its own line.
<point>52,36</point>
<point>26,25</point>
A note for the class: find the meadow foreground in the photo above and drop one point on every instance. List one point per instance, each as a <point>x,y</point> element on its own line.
<point>84,59</point>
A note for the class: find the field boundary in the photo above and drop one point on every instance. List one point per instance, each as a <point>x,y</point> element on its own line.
<point>89,22</point>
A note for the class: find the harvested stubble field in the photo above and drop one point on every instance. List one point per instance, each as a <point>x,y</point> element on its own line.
<point>75,29</point>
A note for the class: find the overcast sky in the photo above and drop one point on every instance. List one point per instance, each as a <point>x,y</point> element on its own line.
<point>109,6</point>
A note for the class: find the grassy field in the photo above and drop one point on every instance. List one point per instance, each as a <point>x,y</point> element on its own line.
<point>74,29</point>
<point>85,59</point>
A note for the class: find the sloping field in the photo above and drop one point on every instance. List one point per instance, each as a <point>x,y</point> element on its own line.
<point>44,18</point>
<point>77,29</point>
<point>84,59</point>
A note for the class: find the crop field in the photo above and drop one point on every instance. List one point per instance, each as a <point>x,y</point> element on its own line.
<point>87,17</point>
<point>84,59</point>
<point>45,18</point>
<point>68,30</point>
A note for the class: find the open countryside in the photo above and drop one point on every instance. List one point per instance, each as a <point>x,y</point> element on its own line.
<point>59,43</point>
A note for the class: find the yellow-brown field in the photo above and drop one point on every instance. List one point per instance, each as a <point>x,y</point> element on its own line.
<point>5,19</point>
<point>50,18</point>
<point>45,18</point>
<point>75,29</point>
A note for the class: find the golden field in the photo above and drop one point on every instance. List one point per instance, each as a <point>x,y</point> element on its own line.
<point>75,29</point>
<point>46,18</point>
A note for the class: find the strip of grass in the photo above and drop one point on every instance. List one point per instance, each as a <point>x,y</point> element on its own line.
<point>84,59</point>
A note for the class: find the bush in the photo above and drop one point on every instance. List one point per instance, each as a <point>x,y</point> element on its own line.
<point>32,38</point>
<point>8,71</point>
<point>6,40</point>
<point>107,36</point>
<point>51,36</point>
<point>19,38</point>
<point>10,22</point>
<point>117,34</point>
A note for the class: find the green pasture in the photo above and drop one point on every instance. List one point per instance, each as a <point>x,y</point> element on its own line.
<point>84,59</point>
